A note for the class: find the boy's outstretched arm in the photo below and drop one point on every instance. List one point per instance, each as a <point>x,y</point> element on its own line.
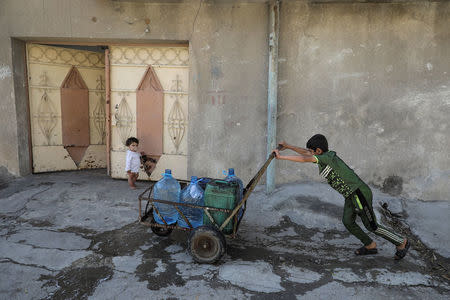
<point>299,150</point>
<point>296,158</point>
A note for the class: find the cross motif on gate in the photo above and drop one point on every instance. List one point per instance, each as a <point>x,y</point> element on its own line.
<point>44,79</point>
<point>176,86</point>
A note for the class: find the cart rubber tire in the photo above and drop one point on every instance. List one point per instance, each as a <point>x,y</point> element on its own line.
<point>159,230</point>
<point>206,244</point>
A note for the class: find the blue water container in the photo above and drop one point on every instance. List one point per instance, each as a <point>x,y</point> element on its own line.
<point>231,177</point>
<point>192,194</point>
<point>167,189</point>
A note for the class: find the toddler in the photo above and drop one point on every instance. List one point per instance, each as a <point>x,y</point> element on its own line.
<point>133,161</point>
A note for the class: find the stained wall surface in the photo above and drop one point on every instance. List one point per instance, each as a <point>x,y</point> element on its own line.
<point>374,79</point>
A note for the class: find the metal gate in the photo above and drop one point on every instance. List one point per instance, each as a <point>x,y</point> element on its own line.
<point>149,100</point>
<point>67,107</point>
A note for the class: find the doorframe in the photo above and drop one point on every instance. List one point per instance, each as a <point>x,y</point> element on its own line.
<point>108,44</point>
<point>21,101</point>
<point>108,110</point>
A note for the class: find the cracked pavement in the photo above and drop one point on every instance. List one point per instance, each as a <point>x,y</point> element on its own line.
<point>75,235</point>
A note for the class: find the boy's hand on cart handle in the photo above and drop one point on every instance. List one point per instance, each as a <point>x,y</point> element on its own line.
<point>276,152</point>
<point>282,146</point>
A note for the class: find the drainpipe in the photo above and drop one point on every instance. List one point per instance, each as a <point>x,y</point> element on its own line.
<point>274,24</point>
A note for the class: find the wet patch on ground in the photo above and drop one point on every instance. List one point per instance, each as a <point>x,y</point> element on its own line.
<point>302,232</point>
<point>45,183</point>
<point>80,279</point>
<point>321,207</point>
<point>38,223</point>
<point>157,266</point>
<point>120,242</point>
<point>79,230</point>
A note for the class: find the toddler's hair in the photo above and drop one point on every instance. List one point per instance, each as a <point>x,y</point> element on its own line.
<point>131,140</point>
<point>317,141</point>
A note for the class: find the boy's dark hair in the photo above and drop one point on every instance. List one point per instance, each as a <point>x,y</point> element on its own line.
<point>317,141</point>
<point>131,140</point>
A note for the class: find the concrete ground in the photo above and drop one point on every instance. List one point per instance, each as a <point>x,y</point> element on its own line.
<point>75,235</point>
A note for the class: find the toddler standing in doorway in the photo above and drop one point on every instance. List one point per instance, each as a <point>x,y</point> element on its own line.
<point>133,161</point>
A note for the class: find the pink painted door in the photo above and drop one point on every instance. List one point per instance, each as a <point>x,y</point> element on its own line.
<point>75,115</point>
<point>149,115</point>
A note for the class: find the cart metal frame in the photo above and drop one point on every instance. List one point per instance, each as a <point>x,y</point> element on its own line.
<point>212,239</point>
<point>146,214</point>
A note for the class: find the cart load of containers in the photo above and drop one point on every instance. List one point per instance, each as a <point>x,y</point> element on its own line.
<point>226,193</point>
<point>209,209</point>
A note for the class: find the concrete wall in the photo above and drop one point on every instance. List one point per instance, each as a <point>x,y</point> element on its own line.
<point>9,161</point>
<point>375,79</point>
<point>372,77</point>
<point>22,106</point>
<point>230,49</point>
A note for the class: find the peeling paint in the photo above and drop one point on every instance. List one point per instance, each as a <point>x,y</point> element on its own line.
<point>5,72</point>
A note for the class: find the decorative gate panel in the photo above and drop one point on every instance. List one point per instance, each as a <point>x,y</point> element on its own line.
<point>48,68</point>
<point>149,100</point>
<point>75,115</point>
<point>149,114</point>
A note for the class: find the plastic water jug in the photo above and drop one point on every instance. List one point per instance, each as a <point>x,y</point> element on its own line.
<point>167,189</point>
<point>192,194</point>
<point>233,178</point>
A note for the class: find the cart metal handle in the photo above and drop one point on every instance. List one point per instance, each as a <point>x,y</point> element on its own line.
<point>250,187</point>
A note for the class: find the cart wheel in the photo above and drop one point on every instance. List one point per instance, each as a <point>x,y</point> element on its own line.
<point>159,230</point>
<point>206,244</point>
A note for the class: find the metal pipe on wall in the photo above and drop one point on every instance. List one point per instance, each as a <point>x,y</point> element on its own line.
<point>274,25</point>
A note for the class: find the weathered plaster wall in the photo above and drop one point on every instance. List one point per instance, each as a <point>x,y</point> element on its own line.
<point>372,77</point>
<point>8,122</point>
<point>375,79</point>
<point>228,119</point>
<point>21,103</point>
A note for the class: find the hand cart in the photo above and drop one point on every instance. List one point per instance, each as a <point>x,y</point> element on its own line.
<point>207,243</point>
